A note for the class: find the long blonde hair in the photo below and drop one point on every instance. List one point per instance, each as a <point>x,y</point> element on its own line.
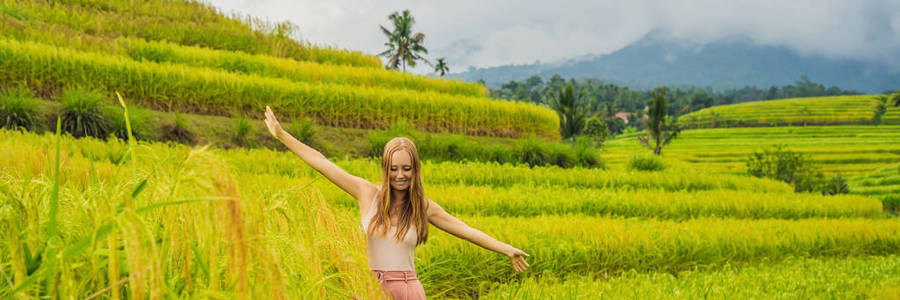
<point>413,213</point>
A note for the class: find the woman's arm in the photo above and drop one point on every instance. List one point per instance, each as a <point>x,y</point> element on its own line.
<point>443,220</point>
<point>357,187</point>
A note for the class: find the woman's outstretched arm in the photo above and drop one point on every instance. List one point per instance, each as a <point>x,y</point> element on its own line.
<point>443,220</point>
<point>357,187</point>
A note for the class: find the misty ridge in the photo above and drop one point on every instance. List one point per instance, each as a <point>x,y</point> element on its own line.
<point>721,65</point>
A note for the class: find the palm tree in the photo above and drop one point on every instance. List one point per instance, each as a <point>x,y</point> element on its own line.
<point>441,67</point>
<point>404,47</point>
<point>661,129</point>
<point>571,116</point>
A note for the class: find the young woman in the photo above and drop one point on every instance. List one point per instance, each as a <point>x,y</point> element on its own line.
<point>395,215</point>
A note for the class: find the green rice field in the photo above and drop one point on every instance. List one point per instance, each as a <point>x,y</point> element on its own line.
<point>252,226</point>
<point>92,218</point>
<point>847,150</point>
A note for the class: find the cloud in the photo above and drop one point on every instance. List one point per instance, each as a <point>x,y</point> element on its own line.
<point>502,32</point>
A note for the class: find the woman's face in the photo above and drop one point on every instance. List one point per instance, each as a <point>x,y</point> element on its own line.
<point>401,170</point>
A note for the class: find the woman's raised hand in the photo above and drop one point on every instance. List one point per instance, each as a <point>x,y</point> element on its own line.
<point>517,259</point>
<point>272,123</point>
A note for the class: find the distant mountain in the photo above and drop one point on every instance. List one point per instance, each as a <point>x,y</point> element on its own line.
<point>721,65</point>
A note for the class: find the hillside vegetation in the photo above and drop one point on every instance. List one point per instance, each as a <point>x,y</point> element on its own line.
<point>847,150</point>
<point>247,222</point>
<point>141,51</point>
<point>837,110</point>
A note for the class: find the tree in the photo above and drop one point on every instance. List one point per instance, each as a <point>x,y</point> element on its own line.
<point>661,129</point>
<point>404,47</point>
<point>596,129</point>
<point>896,99</point>
<point>571,116</point>
<point>805,112</point>
<point>441,67</point>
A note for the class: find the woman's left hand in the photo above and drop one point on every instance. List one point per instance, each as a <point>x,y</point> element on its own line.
<point>517,259</point>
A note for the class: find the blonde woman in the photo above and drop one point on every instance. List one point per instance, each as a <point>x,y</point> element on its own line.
<point>395,214</point>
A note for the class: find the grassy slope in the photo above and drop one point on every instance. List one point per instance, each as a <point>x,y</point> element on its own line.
<point>883,184</point>
<point>836,110</point>
<point>269,182</point>
<point>837,149</point>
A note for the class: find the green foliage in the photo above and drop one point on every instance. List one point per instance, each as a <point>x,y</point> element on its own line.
<point>531,152</point>
<point>81,113</point>
<point>836,110</point>
<point>404,46</point>
<point>661,129</point>
<point>18,109</point>
<point>585,154</point>
<point>142,126</point>
<point>835,185</point>
<point>241,134</point>
<point>785,165</point>
<point>880,110</point>
<point>453,147</point>
<point>303,130</point>
<point>646,163</point>
<point>179,130</point>
<point>94,24</point>
<point>217,92</point>
<point>567,104</point>
<point>441,67</point>
<point>596,129</point>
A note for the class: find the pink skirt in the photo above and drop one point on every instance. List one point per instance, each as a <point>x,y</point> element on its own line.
<point>400,285</point>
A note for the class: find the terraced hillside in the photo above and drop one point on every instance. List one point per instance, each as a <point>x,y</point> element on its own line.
<point>882,184</point>
<point>847,150</point>
<point>837,110</point>
<point>138,49</point>
<point>258,222</point>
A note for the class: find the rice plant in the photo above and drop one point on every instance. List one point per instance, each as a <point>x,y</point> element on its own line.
<point>18,110</point>
<point>166,86</point>
<point>81,113</point>
<point>241,132</point>
<point>646,163</point>
<point>861,278</point>
<point>141,122</point>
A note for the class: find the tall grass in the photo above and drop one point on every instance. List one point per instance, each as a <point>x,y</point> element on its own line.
<point>848,150</point>
<point>18,109</point>
<point>262,161</point>
<point>835,110</point>
<point>183,225</point>
<point>572,245</point>
<point>182,22</point>
<point>521,200</point>
<point>860,278</point>
<point>170,87</point>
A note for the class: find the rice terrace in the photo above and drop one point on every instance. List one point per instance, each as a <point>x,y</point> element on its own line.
<point>171,149</point>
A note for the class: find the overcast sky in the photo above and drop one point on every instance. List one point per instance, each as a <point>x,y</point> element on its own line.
<point>502,32</point>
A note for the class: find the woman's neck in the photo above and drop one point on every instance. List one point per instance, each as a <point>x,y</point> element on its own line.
<point>398,196</point>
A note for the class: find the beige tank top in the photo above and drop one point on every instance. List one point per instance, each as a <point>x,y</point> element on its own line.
<point>385,253</point>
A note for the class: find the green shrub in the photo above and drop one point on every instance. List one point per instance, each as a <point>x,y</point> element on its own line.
<point>81,113</point>
<point>179,131</point>
<point>835,185</point>
<point>242,130</point>
<point>644,162</point>
<point>560,155</point>
<point>529,151</point>
<point>785,165</point>
<point>303,130</point>
<point>18,109</point>
<point>585,155</point>
<point>140,119</point>
<point>596,129</point>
